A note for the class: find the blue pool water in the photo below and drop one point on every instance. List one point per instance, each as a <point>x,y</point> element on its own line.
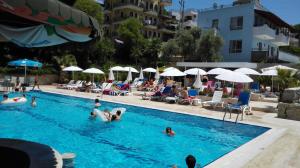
<point>136,141</point>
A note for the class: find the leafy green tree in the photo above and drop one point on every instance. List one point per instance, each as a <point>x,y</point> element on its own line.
<point>151,52</point>
<point>185,42</point>
<point>130,33</point>
<point>104,51</point>
<point>65,60</point>
<point>92,8</point>
<point>208,47</point>
<point>169,49</point>
<point>286,79</point>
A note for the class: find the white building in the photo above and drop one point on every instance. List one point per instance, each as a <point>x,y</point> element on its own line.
<point>251,33</point>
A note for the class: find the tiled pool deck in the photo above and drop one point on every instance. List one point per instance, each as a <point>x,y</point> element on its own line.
<point>279,147</point>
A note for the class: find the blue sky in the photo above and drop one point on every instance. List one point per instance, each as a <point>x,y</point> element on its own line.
<point>288,10</point>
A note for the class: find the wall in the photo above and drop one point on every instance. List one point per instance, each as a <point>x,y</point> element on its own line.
<point>246,34</point>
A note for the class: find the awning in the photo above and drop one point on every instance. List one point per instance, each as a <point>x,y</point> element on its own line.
<point>274,18</point>
<point>52,13</point>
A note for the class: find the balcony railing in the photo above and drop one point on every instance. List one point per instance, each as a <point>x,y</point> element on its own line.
<point>264,32</point>
<point>166,2</point>
<point>129,5</point>
<point>281,40</point>
<point>259,55</point>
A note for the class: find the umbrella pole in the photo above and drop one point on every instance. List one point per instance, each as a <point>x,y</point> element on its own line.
<point>232,88</point>
<point>25,74</point>
<point>73,75</point>
<point>272,85</point>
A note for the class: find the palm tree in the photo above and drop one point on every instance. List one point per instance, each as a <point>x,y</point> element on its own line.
<point>286,79</point>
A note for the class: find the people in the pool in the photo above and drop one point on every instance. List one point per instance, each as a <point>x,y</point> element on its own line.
<point>33,101</point>
<point>190,161</point>
<point>97,103</point>
<point>5,97</point>
<point>112,117</point>
<point>169,131</point>
<point>93,115</point>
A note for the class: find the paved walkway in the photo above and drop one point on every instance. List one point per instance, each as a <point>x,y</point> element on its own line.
<point>282,151</point>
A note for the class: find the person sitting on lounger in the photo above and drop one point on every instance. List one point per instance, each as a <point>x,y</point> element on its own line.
<point>184,96</point>
<point>169,131</point>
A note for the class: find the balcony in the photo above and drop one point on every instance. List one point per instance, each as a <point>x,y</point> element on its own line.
<point>165,2</point>
<point>150,25</point>
<point>129,5</point>
<point>264,32</point>
<point>281,40</point>
<point>168,29</point>
<point>150,12</point>
<point>190,23</point>
<point>258,55</point>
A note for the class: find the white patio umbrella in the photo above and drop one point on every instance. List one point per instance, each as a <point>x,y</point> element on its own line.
<point>129,76</point>
<point>170,68</point>
<point>93,71</point>
<point>131,69</point>
<point>72,69</point>
<point>235,77</point>
<point>195,71</point>
<point>157,76</point>
<point>272,73</point>
<point>111,76</point>
<point>278,67</point>
<point>141,74</point>
<point>247,71</point>
<point>117,69</point>
<point>173,72</point>
<point>218,71</point>
<point>198,84</point>
<point>149,70</point>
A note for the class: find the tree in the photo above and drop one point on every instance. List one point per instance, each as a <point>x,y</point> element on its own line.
<point>169,49</point>
<point>92,8</point>
<point>286,79</point>
<point>104,51</point>
<point>208,47</point>
<point>130,33</point>
<point>185,42</point>
<point>151,52</point>
<point>65,60</point>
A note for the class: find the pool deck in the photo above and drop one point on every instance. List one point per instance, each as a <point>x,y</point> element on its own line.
<point>277,148</point>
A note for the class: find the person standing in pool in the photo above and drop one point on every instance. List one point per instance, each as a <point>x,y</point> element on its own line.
<point>190,161</point>
<point>33,101</point>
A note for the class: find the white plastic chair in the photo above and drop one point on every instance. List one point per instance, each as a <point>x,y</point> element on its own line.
<point>216,100</point>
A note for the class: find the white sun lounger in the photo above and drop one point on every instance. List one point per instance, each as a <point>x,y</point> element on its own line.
<point>74,86</point>
<point>216,100</point>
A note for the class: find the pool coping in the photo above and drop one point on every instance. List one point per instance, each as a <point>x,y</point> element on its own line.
<point>236,158</point>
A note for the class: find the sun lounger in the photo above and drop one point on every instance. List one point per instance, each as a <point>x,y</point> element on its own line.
<point>158,96</point>
<point>216,100</point>
<point>62,86</point>
<point>242,106</point>
<point>192,94</point>
<point>75,86</point>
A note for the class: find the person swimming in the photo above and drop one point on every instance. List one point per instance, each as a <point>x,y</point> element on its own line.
<point>33,101</point>
<point>97,103</point>
<point>169,131</point>
<point>5,97</point>
<point>93,115</point>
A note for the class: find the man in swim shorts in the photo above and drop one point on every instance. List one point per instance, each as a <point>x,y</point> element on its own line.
<point>169,131</point>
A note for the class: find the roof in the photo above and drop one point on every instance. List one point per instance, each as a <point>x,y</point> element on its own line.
<point>274,18</point>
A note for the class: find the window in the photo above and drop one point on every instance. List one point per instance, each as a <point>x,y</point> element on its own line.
<point>215,23</point>
<point>235,46</point>
<point>236,23</point>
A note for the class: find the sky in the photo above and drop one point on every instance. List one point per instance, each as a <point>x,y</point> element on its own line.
<point>288,10</point>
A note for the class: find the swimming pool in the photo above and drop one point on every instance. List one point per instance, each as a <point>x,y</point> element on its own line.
<point>136,141</point>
